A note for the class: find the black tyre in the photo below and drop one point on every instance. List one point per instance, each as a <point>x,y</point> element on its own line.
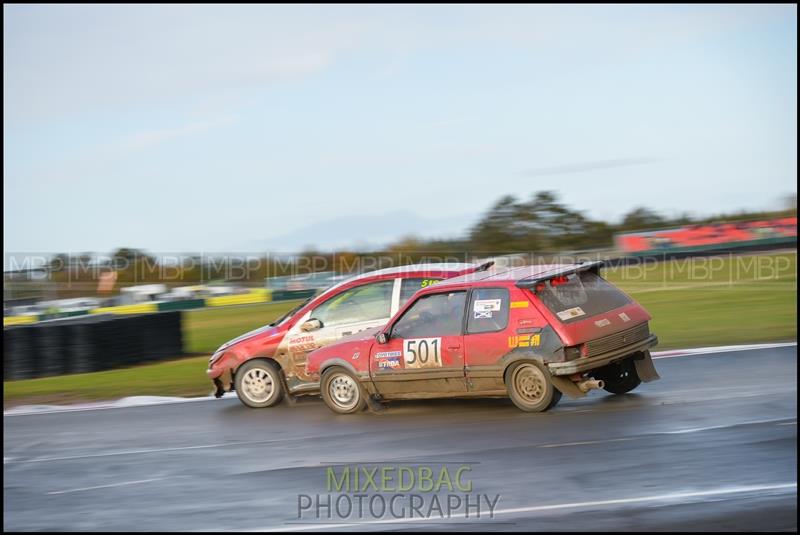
<point>259,384</point>
<point>530,388</point>
<point>619,377</point>
<point>342,392</point>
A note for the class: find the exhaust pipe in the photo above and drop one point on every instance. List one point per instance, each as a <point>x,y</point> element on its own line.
<point>590,384</point>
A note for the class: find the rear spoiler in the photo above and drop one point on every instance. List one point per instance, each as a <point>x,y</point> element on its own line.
<point>531,282</point>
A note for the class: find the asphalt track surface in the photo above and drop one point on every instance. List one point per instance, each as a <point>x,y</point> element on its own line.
<point>711,446</point>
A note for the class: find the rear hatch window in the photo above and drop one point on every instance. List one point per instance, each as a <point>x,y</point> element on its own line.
<point>579,296</point>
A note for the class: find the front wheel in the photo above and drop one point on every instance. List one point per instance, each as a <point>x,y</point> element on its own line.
<point>258,384</point>
<point>342,392</point>
<point>619,378</point>
<point>530,388</point>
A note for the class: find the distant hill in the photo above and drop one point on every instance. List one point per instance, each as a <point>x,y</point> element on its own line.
<point>364,232</point>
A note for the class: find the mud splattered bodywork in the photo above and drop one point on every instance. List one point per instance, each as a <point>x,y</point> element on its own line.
<point>463,336</point>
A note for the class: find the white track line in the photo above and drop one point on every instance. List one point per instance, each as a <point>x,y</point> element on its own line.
<point>700,351</point>
<point>681,497</point>
<point>144,401</point>
<point>122,484</point>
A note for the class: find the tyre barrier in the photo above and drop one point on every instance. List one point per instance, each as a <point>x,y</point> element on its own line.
<point>90,343</point>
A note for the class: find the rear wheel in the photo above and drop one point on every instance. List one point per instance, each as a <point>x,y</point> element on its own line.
<point>259,384</point>
<point>530,388</point>
<point>342,392</point>
<point>619,378</point>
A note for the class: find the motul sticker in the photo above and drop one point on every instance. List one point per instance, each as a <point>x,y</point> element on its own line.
<point>303,343</point>
<point>571,313</point>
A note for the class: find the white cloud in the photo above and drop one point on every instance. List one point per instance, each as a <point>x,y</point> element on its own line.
<point>147,138</point>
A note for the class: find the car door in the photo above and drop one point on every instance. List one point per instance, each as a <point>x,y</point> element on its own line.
<point>486,339</point>
<point>424,355</point>
<point>347,312</point>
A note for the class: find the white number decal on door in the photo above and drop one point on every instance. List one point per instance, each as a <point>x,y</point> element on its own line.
<point>423,353</point>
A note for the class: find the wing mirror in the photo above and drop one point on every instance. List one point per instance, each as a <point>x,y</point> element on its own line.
<point>382,337</point>
<point>311,325</point>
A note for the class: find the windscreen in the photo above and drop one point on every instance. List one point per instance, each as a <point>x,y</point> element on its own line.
<point>579,296</point>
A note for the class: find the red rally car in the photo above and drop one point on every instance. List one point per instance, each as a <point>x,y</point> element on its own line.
<point>265,364</point>
<point>530,333</point>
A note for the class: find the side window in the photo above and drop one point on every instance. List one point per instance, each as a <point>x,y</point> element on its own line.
<point>409,287</point>
<point>363,303</point>
<point>488,310</point>
<point>432,315</point>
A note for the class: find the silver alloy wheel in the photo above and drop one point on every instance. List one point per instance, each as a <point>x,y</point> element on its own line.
<point>343,391</point>
<point>530,383</point>
<point>258,385</point>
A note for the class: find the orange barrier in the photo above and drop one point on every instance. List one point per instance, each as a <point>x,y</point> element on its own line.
<point>707,235</point>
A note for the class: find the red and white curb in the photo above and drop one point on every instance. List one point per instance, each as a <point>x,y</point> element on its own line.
<point>716,349</point>
<point>143,401</point>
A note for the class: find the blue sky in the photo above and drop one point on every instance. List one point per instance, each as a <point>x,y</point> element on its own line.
<point>216,128</point>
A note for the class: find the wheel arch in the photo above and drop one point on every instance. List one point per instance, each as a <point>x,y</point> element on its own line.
<point>512,358</point>
<point>562,384</point>
<point>270,360</point>
<point>337,362</point>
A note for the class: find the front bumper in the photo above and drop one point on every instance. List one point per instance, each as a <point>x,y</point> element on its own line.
<point>582,365</point>
<point>221,378</point>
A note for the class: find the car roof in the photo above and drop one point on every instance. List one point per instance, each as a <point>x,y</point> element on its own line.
<point>429,269</point>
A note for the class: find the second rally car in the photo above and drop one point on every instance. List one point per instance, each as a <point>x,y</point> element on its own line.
<point>265,364</point>
<point>531,333</point>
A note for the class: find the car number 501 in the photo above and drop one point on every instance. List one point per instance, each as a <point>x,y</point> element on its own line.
<point>423,353</point>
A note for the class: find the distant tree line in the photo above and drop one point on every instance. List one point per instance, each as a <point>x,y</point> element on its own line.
<point>541,224</point>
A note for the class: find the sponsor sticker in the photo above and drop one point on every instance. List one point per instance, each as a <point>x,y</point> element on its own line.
<point>624,317</point>
<point>356,355</point>
<point>520,304</point>
<point>302,343</point>
<point>525,340</point>
<point>571,313</point>
<point>602,323</point>
<point>482,315</point>
<point>388,354</point>
<point>487,305</point>
<point>389,363</point>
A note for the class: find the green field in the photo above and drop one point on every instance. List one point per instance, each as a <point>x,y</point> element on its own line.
<point>716,301</point>
<point>694,302</point>
<point>205,330</point>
